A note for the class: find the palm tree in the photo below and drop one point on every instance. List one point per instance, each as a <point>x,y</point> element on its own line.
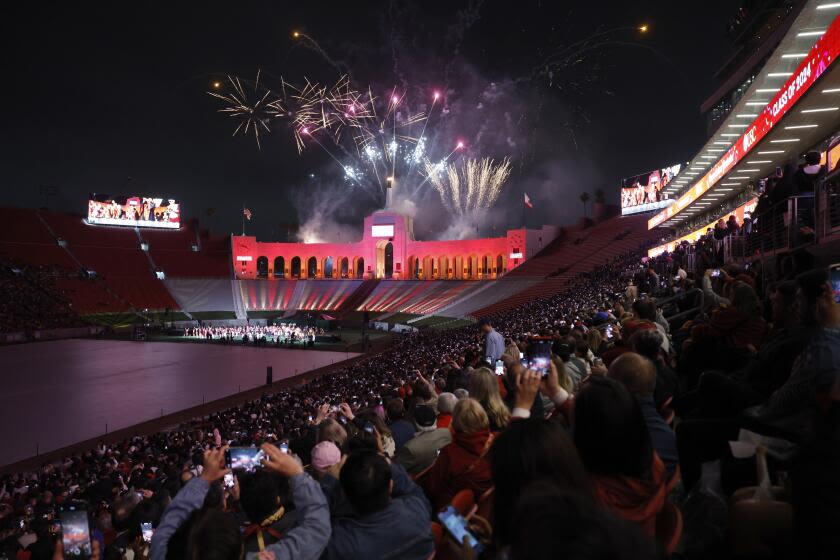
<point>584,197</point>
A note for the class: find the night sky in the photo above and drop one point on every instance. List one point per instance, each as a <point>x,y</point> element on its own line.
<point>95,93</point>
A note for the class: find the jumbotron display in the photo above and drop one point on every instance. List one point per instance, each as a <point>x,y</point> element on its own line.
<point>134,211</point>
<point>642,193</point>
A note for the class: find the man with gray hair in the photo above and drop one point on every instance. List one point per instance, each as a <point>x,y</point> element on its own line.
<point>445,405</point>
<point>420,452</point>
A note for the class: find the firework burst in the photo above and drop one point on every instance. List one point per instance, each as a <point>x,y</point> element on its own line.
<point>468,186</point>
<point>251,107</point>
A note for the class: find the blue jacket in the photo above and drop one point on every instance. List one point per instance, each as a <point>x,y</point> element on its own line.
<point>400,531</point>
<point>305,541</point>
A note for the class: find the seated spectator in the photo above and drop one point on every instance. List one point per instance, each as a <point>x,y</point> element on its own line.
<point>401,429</point>
<point>648,343</point>
<point>530,450</point>
<point>446,404</point>
<point>737,326</point>
<point>645,310</point>
<point>392,513</point>
<point>421,451</point>
<point>612,438</point>
<point>638,374</point>
<point>550,518</point>
<point>463,463</point>
<point>269,520</point>
<point>484,388</point>
<point>574,367</point>
<point>327,461</point>
<point>215,534</point>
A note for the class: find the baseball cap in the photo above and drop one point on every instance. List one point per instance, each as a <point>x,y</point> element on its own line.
<point>325,455</point>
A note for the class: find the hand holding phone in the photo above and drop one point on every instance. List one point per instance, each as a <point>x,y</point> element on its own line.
<point>75,532</point>
<point>456,525</point>
<point>538,356</point>
<point>244,458</point>
<point>147,531</point>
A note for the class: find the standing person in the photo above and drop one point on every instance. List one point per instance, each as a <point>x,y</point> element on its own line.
<point>494,343</point>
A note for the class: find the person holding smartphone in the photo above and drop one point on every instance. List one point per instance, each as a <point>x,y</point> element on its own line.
<point>217,530</point>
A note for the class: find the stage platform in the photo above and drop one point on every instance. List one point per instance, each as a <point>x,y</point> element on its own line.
<point>58,393</point>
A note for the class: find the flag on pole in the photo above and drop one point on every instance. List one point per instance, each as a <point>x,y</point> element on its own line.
<point>247,213</point>
<point>528,201</point>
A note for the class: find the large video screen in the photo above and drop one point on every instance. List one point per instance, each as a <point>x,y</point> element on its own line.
<point>134,211</point>
<point>642,193</point>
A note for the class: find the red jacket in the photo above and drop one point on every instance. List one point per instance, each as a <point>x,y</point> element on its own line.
<point>443,420</point>
<point>461,465</point>
<point>738,330</point>
<point>634,499</point>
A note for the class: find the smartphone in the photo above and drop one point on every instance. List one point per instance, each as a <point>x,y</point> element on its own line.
<point>715,273</point>
<point>538,355</point>
<point>834,276</point>
<point>500,367</point>
<point>369,428</point>
<point>456,524</point>
<point>75,532</point>
<point>284,447</point>
<point>609,331</point>
<point>229,480</point>
<point>147,531</point>
<point>244,458</point>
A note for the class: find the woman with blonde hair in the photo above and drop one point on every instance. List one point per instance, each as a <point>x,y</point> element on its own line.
<point>484,388</point>
<point>594,339</point>
<point>463,464</point>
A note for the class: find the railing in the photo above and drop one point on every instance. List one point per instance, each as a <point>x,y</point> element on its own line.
<point>663,303</point>
<point>784,226</point>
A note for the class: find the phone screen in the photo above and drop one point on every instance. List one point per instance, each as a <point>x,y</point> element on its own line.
<point>147,531</point>
<point>500,367</point>
<point>75,533</point>
<point>369,427</point>
<point>457,527</point>
<point>715,273</point>
<point>538,355</point>
<point>284,447</point>
<point>229,480</point>
<point>244,458</point>
<point>834,273</point>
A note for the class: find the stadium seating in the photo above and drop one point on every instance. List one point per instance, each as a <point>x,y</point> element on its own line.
<point>282,295</point>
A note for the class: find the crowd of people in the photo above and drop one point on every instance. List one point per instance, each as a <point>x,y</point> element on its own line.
<point>617,447</point>
<point>281,333</point>
<point>31,301</point>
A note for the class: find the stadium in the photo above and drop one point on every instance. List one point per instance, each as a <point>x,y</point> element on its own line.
<point>658,378</point>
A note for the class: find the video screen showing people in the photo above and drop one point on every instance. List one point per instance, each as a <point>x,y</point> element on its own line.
<point>246,458</point>
<point>135,211</point>
<point>645,192</point>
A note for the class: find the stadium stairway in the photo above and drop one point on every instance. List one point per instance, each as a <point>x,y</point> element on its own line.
<point>355,300</point>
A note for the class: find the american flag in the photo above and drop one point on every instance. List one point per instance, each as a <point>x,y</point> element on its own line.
<point>247,213</point>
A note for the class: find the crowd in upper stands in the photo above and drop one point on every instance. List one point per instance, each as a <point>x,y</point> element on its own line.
<point>30,300</point>
<point>621,449</point>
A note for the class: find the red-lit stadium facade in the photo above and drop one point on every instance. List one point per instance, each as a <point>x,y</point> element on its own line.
<point>388,250</point>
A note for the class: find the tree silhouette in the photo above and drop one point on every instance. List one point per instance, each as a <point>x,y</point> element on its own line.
<point>599,196</point>
<point>584,197</point>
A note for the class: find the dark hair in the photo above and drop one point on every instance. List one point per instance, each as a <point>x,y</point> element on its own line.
<point>259,495</point>
<point>647,342</point>
<point>365,479</point>
<point>645,309</point>
<point>550,519</point>
<point>485,322</point>
<point>610,431</point>
<point>526,451</point>
<point>811,287</point>
<point>215,536</point>
<point>395,409</point>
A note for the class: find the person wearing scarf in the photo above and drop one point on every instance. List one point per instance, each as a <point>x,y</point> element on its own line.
<point>462,464</point>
